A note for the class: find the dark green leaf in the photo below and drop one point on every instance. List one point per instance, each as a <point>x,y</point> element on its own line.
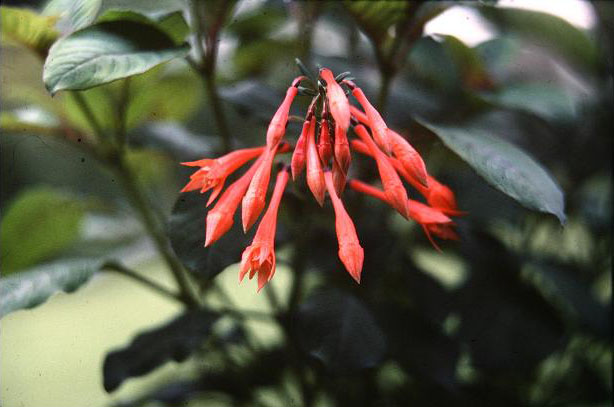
<point>376,17</point>
<point>187,234</point>
<point>106,52</point>
<point>504,166</point>
<point>339,330</point>
<point>33,287</point>
<point>173,23</point>
<point>28,29</point>
<point>547,30</point>
<point>176,340</point>
<point>39,224</point>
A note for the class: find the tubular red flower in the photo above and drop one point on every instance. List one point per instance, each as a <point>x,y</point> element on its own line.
<point>298,157</point>
<point>324,143</point>
<point>342,149</point>
<point>315,175</point>
<point>350,252</point>
<point>253,201</point>
<point>393,187</point>
<point>408,156</point>
<point>339,178</point>
<point>259,257</point>
<point>359,115</point>
<point>338,102</point>
<point>437,195</point>
<point>376,123</point>
<point>432,220</point>
<point>213,172</point>
<point>277,126</point>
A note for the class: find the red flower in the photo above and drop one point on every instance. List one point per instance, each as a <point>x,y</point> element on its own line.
<point>315,175</point>
<point>324,143</point>
<point>350,252</point>
<point>213,172</point>
<point>253,201</point>
<point>259,257</point>
<point>393,187</point>
<point>408,156</point>
<point>376,123</point>
<point>337,101</point>
<point>277,126</point>
<point>298,157</point>
<point>432,220</point>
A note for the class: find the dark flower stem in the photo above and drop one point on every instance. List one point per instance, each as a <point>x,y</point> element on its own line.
<point>121,269</point>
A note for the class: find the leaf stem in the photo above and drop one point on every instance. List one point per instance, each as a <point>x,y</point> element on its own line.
<point>121,269</point>
<point>91,118</point>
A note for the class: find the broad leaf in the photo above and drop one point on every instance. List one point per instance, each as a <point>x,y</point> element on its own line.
<point>504,166</point>
<point>106,52</point>
<point>376,17</point>
<point>176,340</point>
<point>173,24</point>
<point>547,30</point>
<point>187,235</point>
<point>33,287</point>
<point>74,14</point>
<point>339,330</point>
<point>26,28</point>
<point>39,224</point>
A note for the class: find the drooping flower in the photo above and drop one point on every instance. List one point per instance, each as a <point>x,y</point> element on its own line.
<point>351,253</point>
<point>338,102</point>
<point>259,257</point>
<point>393,186</point>
<point>431,219</point>
<point>323,149</point>
<point>376,123</point>
<point>315,175</point>
<point>213,172</point>
<point>254,199</point>
<point>277,126</point>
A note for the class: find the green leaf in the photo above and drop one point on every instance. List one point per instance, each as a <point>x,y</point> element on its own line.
<point>339,330</point>
<point>173,24</point>
<point>376,17</point>
<point>547,30</point>
<point>551,102</point>
<point>105,52</point>
<point>33,287</point>
<point>504,166</point>
<point>26,28</point>
<point>30,119</point>
<point>38,224</point>
<point>187,236</point>
<point>175,340</point>
<point>74,14</point>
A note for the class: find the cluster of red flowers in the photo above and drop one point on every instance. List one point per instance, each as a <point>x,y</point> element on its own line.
<point>324,151</point>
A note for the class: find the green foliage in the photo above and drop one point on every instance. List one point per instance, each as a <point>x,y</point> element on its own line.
<point>33,287</point>
<point>39,224</point>
<point>187,235</point>
<point>175,340</point>
<point>337,329</point>
<point>105,52</point>
<point>26,28</point>
<point>150,166</point>
<point>504,166</point>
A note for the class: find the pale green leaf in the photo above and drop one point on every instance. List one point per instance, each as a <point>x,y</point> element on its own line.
<point>37,225</point>
<point>26,28</point>
<point>33,287</point>
<point>106,52</point>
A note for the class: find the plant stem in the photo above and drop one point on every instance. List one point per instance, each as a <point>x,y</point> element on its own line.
<point>218,110</point>
<point>155,231</point>
<point>89,115</point>
<point>119,268</point>
<point>384,90</point>
<point>122,113</point>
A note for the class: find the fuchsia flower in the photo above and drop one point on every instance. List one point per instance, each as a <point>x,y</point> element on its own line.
<point>324,150</point>
<point>350,251</point>
<point>259,257</point>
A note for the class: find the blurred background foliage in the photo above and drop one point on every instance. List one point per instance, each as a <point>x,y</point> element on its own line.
<point>518,312</point>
